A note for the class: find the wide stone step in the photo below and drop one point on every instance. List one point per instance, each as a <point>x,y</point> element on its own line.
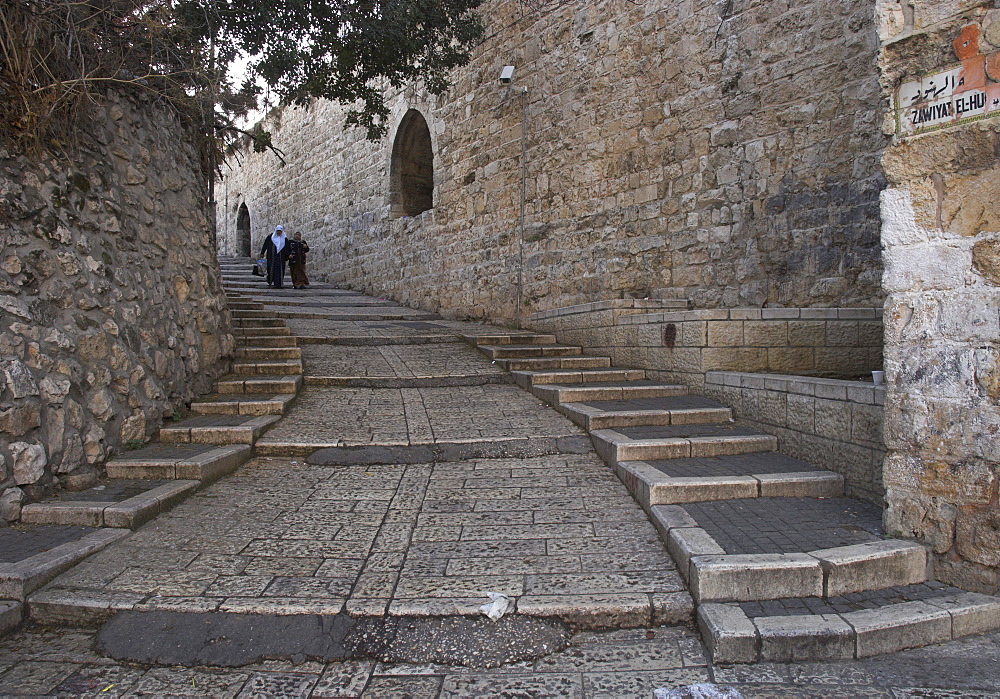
<point>197,462</point>
<point>510,339</point>
<point>523,351</point>
<point>540,363</point>
<point>235,404</point>
<point>606,391</point>
<point>736,476</point>
<point>634,412</point>
<point>249,313</point>
<point>124,512</point>
<point>240,322</point>
<point>246,334</point>
<point>768,548</point>
<point>267,353</point>
<point>843,628</point>
<point>267,384</point>
<point>285,367</point>
<point>285,340</point>
<point>218,429</point>
<point>527,379</point>
<point>678,442</point>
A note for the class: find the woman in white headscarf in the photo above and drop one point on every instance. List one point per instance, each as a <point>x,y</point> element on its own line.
<point>275,249</point>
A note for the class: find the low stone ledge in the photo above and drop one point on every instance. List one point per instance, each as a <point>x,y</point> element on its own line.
<point>18,580</point>
<point>872,565</point>
<point>729,634</point>
<point>901,626</point>
<point>754,577</point>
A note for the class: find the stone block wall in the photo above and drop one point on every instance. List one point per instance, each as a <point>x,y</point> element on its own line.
<point>112,314</point>
<point>833,424</point>
<point>726,153</point>
<point>941,240</point>
<point>683,345</point>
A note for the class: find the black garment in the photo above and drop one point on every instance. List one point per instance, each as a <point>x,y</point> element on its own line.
<point>275,263</point>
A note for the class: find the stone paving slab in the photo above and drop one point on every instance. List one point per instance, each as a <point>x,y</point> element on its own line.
<point>280,536</point>
<point>371,416</point>
<point>400,361</point>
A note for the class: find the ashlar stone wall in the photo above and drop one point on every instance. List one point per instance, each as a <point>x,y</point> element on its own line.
<point>112,315</point>
<point>941,239</point>
<point>727,153</point>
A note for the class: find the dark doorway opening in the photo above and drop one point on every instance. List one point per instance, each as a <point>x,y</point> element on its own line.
<point>411,175</point>
<point>243,231</point>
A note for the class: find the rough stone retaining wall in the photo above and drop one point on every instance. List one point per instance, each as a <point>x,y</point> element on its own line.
<point>941,239</point>
<point>112,314</point>
<point>833,424</point>
<point>683,345</point>
<point>726,153</point>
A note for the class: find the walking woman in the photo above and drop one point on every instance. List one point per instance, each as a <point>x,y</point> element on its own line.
<point>297,261</point>
<point>275,249</point>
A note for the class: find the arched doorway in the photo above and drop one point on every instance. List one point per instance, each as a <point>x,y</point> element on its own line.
<point>411,174</point>
<point>243,231</point>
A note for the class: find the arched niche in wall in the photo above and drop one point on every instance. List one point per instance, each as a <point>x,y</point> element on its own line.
<point>411,173</point>
<point>243,231</point>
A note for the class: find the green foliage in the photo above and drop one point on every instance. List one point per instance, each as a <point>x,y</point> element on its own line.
<point>56,53</point>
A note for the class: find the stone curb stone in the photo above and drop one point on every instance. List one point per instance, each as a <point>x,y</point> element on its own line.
<point>682,490</point>
<point>685,542</point>
<point>752,577</point>
<point>77,513</point>
<point>137,510</point>
<point>729,634</point>
<point>213,464</point>
<point>807,484</point>
<point>409,382</point>
<point>625,610</point>
<point>906,625</point>
<point>871,565</point>
<point>971,613</point>
<point>19,579</point>
<point>527,379</point>
<point>667,517</point>
<point>11,616</point>
<point>78,608</point>
<point>787,639</point>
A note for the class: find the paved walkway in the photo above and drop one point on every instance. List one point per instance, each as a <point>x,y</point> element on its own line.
<point>458,491</point>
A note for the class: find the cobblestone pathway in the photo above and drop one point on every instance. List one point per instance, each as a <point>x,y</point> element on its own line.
<point>419,540</point>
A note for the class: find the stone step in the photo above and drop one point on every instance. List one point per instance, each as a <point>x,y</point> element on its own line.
<point>244,334</point>
<point>678,441</point>
<point>198,462</point>
<point>218,429</point>
<point>20,578</point>
<point>736,476</point>
<point>247,351</point>
<point>606,391</point>
<point>854,627</point>
<point>636,412</point>
<point>235,404</point>
<point>127,513</point>
<point>285,367</point>
<point>268,384</point>
<point>769,548</point>
<point>266,341</point>
<point>527,379</point>
<point>539,363</point>
<point>247,314</point>
<point>510,339</point>
<point>245,304</point>
<point>522,351</point>
<point>258,322</point>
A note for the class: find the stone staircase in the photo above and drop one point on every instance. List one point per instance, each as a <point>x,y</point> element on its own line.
<point>215,440</point>
<point>781,565</point>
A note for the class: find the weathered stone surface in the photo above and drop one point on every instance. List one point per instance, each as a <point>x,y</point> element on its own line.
<point>98,336</point>
<point>10,504</point>
<point>29,462</point>
<point>723,173</point>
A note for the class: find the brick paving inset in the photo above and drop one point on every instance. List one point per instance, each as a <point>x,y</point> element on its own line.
<point>23,541</point>
<point>732,465</point>
<point>787,525</point>
<point>869,599</point>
